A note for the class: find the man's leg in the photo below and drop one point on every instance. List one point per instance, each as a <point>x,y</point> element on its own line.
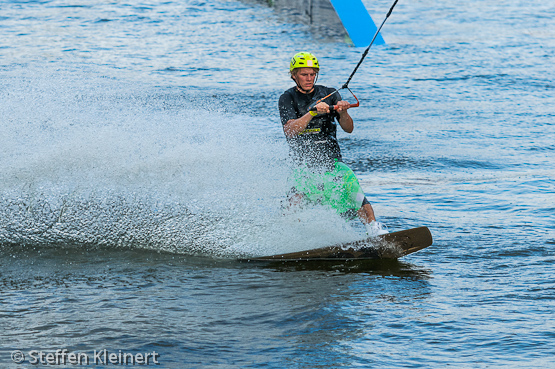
<point>366,213</point>
<point>295,200</point>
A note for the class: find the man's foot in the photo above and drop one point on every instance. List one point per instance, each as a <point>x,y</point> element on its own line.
<point>374,229</point>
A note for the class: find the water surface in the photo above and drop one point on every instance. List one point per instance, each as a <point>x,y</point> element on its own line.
<point>142,155</point>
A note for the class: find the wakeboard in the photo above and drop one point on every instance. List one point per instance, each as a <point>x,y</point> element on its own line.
<point>388,246</point>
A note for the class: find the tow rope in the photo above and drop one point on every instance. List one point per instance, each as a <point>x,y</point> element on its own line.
<point>346,84</point>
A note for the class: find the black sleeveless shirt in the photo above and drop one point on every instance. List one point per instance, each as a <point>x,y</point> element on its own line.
<point>317,145</point>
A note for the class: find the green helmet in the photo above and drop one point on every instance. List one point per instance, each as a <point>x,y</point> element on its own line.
<point>303,60</point>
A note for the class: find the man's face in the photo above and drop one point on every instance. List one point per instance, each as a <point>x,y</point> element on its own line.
<point>305,78</point>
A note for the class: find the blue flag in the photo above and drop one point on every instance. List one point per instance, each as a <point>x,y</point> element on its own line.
<point>357,22</point>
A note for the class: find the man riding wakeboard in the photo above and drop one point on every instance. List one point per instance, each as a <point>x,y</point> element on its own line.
<point>310,127</point>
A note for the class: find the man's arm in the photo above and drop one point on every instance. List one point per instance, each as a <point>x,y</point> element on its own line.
<point>292,124</point>
<point>295,126</point>
<point>345,120</point>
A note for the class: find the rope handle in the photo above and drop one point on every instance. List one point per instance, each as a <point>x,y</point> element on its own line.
<point>334,107</point>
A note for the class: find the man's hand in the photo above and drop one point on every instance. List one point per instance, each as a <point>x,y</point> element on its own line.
<point>342,106</point>
<point>322,108</point>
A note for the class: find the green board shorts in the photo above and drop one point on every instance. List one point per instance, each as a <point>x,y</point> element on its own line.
<point>338,188</point>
